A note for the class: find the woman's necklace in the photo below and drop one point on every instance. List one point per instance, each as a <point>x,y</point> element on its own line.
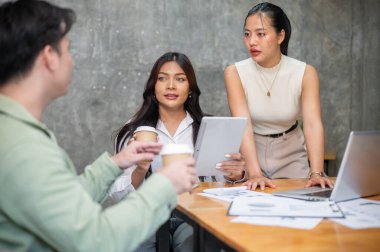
<point>264,81</point>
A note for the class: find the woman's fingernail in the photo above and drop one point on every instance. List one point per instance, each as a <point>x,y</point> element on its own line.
<point>218,165</point>
<point>227,155</point>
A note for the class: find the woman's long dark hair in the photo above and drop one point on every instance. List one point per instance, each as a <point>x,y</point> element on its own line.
<point>148,115</point>
<point>280,21</point>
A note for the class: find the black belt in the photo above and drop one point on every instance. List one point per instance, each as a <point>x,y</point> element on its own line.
<point>283,133</point>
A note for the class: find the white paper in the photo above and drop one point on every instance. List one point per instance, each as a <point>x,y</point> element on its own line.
<point>243,193</point>
<point>221,191</point>
<point>290,222</point>
<point>360,213</point>
<point>279,206</point>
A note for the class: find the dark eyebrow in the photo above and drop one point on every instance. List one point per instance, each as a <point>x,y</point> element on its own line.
<point>175,74</point>
<point>256,30</point>
<point>260,29</point>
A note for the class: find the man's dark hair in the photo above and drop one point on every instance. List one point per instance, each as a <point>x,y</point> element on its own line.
<point>26,27</point>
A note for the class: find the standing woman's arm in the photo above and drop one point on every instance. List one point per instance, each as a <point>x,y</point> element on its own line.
<point>238,107</point>
<point>313,127</point>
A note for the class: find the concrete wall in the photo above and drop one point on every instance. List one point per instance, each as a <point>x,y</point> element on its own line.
<point>115,43</point>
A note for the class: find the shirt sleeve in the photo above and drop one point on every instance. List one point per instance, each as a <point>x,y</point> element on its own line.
<point>122,185</point>
<point>99,176</point>
<point>46,198</point>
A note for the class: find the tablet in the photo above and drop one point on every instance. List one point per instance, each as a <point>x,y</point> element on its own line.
<point>217,137</point>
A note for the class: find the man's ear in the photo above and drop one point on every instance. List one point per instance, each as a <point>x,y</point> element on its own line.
<point>50,58</point>
<point>281,37</point>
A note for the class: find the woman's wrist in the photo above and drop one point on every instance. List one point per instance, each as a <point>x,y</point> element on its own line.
<point>236,178</point>
<point>253,173</point>
<point>140,170</point>
<point>255,176</point>
<point>317,174</point>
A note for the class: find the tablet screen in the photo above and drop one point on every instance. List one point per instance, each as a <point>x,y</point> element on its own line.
<point>217,137</point>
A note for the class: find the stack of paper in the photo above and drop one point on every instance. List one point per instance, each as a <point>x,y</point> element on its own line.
<point>360,213</point>
<point>259,208</point>
<point>284,207</point>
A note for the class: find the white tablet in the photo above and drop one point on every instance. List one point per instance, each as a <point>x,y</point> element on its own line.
<point>217,137</point>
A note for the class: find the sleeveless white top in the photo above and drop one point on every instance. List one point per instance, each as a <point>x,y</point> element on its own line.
<point>277,113</point>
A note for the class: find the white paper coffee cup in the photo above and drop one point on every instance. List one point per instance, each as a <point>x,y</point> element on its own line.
<point>145,134</point>
<point>172,152</point>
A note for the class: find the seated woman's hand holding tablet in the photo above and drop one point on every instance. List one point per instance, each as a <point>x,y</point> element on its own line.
<point>234,169</point>
<point>217,146</point>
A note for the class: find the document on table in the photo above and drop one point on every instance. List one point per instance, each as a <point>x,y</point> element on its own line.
<point>360,213</point>
<point>227,194</point>
<point>231,193</point>
<point>290,222</point>
<point>284,207</point>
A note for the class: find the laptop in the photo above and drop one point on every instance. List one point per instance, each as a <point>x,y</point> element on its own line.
<point>358,176</point>
<point>217,137</point>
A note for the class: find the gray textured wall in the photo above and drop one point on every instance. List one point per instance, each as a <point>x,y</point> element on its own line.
<point>115,43</point>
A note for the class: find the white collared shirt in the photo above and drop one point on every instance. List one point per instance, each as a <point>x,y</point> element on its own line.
<point>184,135</point>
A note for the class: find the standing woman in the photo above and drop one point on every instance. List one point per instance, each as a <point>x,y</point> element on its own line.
<point>275,91</point>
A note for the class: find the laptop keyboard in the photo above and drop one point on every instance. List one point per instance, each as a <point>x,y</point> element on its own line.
<point>325,194</point>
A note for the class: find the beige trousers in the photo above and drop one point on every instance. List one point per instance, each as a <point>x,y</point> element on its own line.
<point>283,157</point>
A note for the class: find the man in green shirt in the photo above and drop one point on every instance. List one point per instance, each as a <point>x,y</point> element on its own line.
<point>44,205</point>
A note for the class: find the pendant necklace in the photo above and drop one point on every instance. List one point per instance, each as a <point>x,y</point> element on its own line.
<point>264,82</point>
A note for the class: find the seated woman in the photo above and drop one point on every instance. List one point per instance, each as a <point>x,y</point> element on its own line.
<point>171,105</point>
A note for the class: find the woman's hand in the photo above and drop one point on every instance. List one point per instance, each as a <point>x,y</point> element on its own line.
<point>253,182</point>
<point>316,179</point>
<point>233,169</point>
<point>142,167</point>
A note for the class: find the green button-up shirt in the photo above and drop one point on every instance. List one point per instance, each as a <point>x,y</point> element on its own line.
<point>45,206</point>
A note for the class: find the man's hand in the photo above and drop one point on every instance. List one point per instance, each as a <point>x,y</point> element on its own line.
<point>136,151</point>
<point>181,173</point>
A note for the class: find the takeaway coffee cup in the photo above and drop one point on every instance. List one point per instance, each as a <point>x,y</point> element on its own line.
<point>145,134</point>
<point>172,152</point>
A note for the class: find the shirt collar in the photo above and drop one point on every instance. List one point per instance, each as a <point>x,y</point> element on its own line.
<point>15,110</point>
<point>185,123</point>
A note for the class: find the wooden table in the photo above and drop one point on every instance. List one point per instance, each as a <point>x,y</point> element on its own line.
<point>212,226</point>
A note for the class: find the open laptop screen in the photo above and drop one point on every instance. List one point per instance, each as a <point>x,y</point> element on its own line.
<point>359,172</point>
